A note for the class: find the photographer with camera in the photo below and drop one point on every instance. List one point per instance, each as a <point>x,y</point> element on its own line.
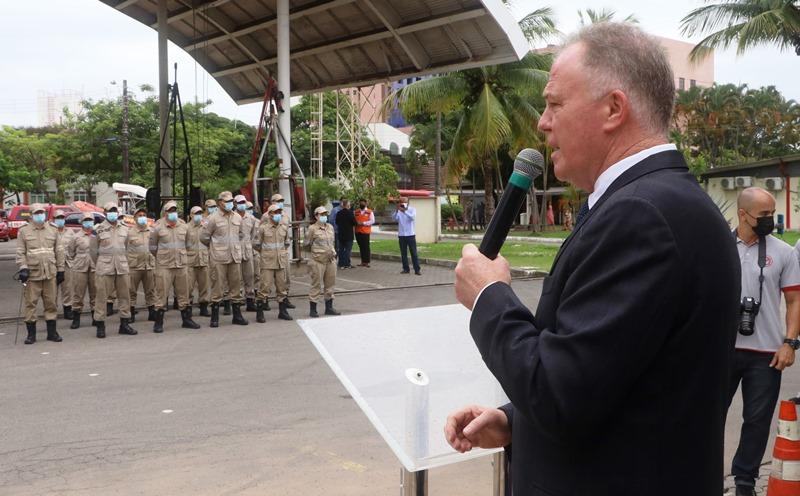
<point>763,346</point>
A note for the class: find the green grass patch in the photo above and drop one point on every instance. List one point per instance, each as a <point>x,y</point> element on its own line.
<point>790,237</point>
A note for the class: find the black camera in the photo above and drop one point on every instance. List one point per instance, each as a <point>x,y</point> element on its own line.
<point>748,309</point>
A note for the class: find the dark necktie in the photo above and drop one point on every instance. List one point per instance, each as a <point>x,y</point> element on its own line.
<point>582,212</point>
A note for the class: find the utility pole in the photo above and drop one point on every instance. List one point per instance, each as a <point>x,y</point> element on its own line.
<point>126,171</point>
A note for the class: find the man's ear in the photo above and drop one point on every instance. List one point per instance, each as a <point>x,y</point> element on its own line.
<point>617,110</point>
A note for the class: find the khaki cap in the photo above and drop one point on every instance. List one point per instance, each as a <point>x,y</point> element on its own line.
<point>87,216</point>
<point>110,205</point>
<point>225,196</point>
<point>37,207</point>
<point>59,213</point>
<point>249,204</point>
<point>141,209</point>
<point>320,210</point>
<point>170,205</point>
<point>277,197</point>
<point>240,199</point>
<point>196,210</point>
<point>210,203</point>
<point>273,208</point>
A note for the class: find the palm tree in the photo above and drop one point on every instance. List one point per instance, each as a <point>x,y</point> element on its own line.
<point>604,15</point>
<point>747,23</point>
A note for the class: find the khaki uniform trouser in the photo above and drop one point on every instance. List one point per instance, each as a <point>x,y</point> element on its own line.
<point>105,285</point>
<point>229,276</point>
<point>80,281</point>
<point>145,277</point>
<point>198,279</point>
<point>273,278</point>
<point>249,278</point>
<point>65,288</point>
<point>178,280</point>
<point>212,278</point>
<point>322,273</point>
<point>47,291</point>
<point>257,270</point>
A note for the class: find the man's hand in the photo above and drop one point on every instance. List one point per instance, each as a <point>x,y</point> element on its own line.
<point>59,277</point>
<point>476,426</point>
<point>783,358</point>
<point>24,274</point>
<point>474,272</point>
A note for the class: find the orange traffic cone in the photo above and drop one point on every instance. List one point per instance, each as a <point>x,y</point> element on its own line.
<point>784,480</point>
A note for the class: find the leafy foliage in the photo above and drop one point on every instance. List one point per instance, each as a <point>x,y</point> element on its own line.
<point>320,191</point>
<point>376,181</point>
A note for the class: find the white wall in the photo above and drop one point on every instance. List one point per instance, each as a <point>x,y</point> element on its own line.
<point>791,217</point>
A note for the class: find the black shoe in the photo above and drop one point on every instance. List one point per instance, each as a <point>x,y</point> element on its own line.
<point>133,315</point>
<point>282,313</point>
<point>101,329</point>
<point>188,323</point>
<point>126,329</point>
<point>52,334</point>
<point>214,315</point>
<point>405,271</point>
<point>312,312</point>
<point>204,310</point>
<point>266,305</point>
<point>289,304</point>
<point>31,326</point>
<point>329,310</point>
<point>151,313</point>
<point>260,312</point>
<point>237,315</point>
<point>158,325</point>
<point>109,309</point>
<point>745,491</point>
<point>76,320</point>
<point>250,306</point>
<point>417,273</point>
<point>226,307</point>
<point>175,303</point>
<point>67,312</point>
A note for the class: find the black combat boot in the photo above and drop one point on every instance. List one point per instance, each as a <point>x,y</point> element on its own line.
<point>101,329</point>
<point>237,315</point>
<point>31,326</point>
<point>260,312</point>
<point>289,304</point>
<point>151,313</point>
<point>226,307</point>
<point>174,302</point>
<point>313,310</point>
<point>158,323</point>
<point>109,309</point>
<point>67,312</point>
<point>215,315</point>
<point>76,320</point>
<point>329,310</point>
<point>204,310</point>
<point>250,307</point>
<point>266,305</point>
<point>52,334</point>
<point>94,322</point>
<point>188,323</point>
<point>133,315</point>
<point>125,328</point>
<point>282,313</point>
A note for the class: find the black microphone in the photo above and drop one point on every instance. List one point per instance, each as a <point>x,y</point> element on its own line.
<point>528,165</point>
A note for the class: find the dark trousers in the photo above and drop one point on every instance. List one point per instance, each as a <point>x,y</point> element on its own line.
<point>363,247</point>
<point>345,247</point>
<point>409,243</point>
<point>761,386</point>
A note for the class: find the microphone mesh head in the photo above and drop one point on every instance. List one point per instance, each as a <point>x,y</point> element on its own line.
<point>529,162</point>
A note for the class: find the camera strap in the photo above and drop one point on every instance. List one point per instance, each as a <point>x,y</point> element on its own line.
<point>762,262</point>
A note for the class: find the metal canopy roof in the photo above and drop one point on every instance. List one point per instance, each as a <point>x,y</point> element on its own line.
<point>335,43</point>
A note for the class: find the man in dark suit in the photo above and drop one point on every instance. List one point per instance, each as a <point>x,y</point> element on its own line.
<point>618,383</point>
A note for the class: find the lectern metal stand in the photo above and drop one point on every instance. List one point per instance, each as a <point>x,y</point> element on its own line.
<point>413,483</point>
<point>499,473</point>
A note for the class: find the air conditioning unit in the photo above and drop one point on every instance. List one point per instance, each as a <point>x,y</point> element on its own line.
<point>744,182</point>
<point>728,183</point>
<point>774,183</point>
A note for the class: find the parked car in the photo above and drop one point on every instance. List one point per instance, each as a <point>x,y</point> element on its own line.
<point>74,220</point>
<point>21,213</point>
<point>5,231</point>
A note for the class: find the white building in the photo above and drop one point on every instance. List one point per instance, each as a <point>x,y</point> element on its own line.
<point>50,106</point>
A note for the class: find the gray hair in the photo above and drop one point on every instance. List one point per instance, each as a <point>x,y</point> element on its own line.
<point>622,56</point>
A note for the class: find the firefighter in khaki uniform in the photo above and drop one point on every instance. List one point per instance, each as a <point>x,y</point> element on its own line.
<point>270,241</point>
<point>277,198</point>
<point>223,236</point>
<point>319,238</point>
<point>41,268</point>
<point>64,288</point>
<point>109,250</point>
<point>168,245</point>
<point>79,257</point>
<point>256,258</point>
<point>197,262</point>
<point>142,264</point>
<point>248,269</point>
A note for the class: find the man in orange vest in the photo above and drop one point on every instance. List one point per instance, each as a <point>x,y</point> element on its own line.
<point>364,220</point>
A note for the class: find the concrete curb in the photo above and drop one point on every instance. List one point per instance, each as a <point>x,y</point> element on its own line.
<point>516,239</point>
<point>515,272</point>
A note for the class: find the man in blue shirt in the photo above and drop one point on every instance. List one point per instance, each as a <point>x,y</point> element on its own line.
<point>337,206</point>
<point>405,217</point>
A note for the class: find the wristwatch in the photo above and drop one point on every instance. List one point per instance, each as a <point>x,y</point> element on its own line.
<point>794,343</point>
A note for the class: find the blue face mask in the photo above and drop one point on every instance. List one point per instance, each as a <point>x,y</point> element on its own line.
<point>211,210</point>
<point>112,216</point>
<point>172,216</point>
<point>88,224</point>
<point>197,218</point>
<point>276,218</point>
<point>323,218</point>
<point>229,206</point>
<point>142,221</point>
<point>241,207</point>
<point>280,205</point>
<point>38,218</point>
<point>59,223</point>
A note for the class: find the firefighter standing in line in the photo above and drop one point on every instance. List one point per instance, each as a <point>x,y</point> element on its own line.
<point>109,251</point>
<point>277,199</point>
<point>65,288</point>
<point>41,267</point>
<point>256,258</point>
<point>197,262</point>
<point>79,257</point>
<point>319,238</point>
<point>168,245</point>
<point>270,241</point>
<point>248,269</point>
<point>142,264</point>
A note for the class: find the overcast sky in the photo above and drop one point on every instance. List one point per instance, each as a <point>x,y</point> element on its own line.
<point>83,45</point>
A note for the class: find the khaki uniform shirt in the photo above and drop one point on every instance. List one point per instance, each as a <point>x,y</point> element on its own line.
<point>223,236</point>
<point>79,252</point>
<point>109,249</point>
<point>39,251</point>
<point>63,238</point>
<point>248,234</point>
<point>168,244</point>
<point>271,241</point>
<point>196,252</point>
<point>139,256</point>
<point>320,238</point>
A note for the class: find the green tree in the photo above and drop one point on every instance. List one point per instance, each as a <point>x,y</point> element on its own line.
<point>591,16</point>
<point>320,191</point>
<point>375,181</point>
